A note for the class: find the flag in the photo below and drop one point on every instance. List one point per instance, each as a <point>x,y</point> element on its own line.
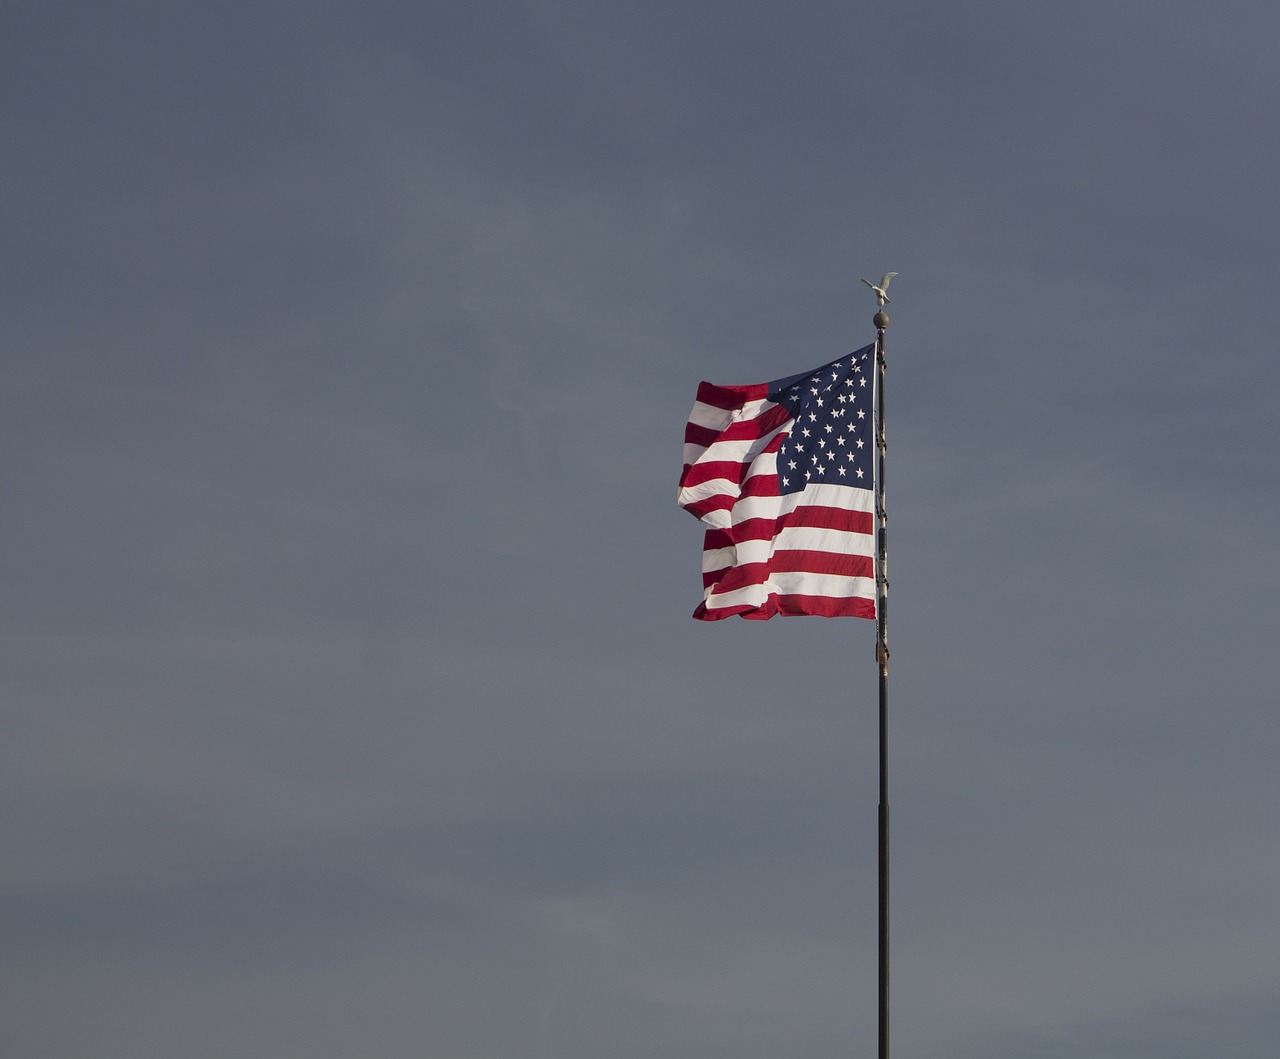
<point>781,473</point>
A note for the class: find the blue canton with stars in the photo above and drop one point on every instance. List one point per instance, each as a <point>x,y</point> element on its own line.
<point>832,439</point>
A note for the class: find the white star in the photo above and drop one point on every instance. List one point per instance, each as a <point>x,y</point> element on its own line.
<point>841,469</point>
<point>805,432</point>
<point>786,482</point>
<point>840,440</point>
<point>859,472</point>
<point>822,444</point>
<point>819,402</point>
<point>861,414</point>
<point>859,444</point>
<point>791,464</point>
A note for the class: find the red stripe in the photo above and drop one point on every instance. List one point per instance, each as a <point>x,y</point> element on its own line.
<point>794,605</point>
<point>788,561</point>
<point>752,529</point>
<point>761,485</point>
<point>713,577</point>
<point>716,538</point>
<point>828,606</point>
<point>730,397</point>
<point>709,470</point>
<point>697,434</point>
<point>739,429</point>
<point>757,426</point>
<point>836,518</point>
<point>832,518</point>
<point>766,529</point>
<point>812,562</point>
<point>702,508</point>
<point>743,575</point>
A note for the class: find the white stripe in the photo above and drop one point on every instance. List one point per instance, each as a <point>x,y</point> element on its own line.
<point>713,418</point>
<point>691,494</point>
<point>714,559</point>
<point>751,596</point>
<point>817,539</point>
<point>741,450</point>
<point>833,494</point>
<point>719,518</point>
<point>798,583</point>
<point>803,539</point>
<point>793,583</point>
<point>749,507</point>
<point>773,508</point>
<point>710,417</point>
<point>766,507</point>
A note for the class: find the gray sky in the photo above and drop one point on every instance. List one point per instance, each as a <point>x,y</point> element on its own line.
<point>351,702</point>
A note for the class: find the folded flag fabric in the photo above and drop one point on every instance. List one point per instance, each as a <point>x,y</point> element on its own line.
<point>781,473</point>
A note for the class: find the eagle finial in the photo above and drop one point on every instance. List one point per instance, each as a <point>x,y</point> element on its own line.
<point>880,290</point>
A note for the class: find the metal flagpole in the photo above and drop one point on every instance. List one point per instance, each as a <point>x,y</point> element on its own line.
<point>881,321</point>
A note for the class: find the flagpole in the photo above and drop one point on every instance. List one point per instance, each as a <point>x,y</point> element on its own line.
<point>881,321</point>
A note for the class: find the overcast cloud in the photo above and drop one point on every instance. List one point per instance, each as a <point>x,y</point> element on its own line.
<point>351,704</point>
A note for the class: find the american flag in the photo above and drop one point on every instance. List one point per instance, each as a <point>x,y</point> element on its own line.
<point>781,473</point>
